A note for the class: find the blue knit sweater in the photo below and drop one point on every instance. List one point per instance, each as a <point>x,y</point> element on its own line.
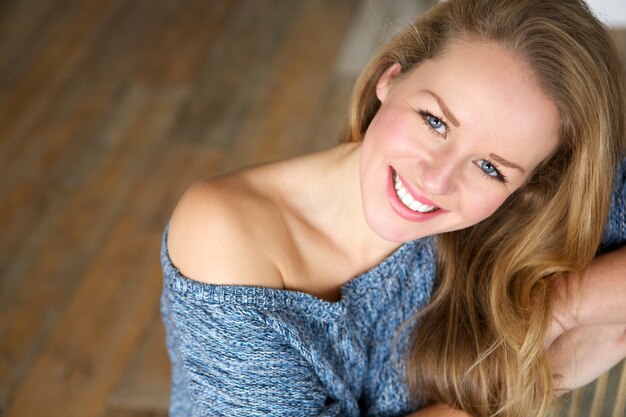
<point>252,351</point>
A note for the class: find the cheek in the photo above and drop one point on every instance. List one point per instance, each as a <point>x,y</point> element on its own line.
<point>391,127</point>
<point>479,206</point>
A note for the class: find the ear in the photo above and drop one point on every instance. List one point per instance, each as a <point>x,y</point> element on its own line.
<point>386,81</point>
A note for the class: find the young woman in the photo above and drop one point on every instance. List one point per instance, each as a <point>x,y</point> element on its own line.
<point>476,176</point>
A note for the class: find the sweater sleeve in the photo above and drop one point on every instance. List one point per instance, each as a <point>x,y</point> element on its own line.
<point>231,361</point>
<point>615,230</point>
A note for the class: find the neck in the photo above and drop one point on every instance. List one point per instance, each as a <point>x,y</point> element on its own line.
<point>341,215</point>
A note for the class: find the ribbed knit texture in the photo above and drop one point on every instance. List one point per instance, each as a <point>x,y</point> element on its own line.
<point>251,351</point>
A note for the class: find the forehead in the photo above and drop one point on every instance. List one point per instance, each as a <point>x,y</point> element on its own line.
<point>495,97</point>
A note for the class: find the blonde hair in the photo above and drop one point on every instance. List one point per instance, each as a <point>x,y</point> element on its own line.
<point>479,344</point>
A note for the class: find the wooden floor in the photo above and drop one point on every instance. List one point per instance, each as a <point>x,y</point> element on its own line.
<point>109,109</point>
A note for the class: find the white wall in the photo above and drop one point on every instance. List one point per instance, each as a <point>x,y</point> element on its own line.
<point>612,12</point>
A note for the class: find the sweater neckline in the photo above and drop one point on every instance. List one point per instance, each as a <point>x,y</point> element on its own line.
<point>237,296</point>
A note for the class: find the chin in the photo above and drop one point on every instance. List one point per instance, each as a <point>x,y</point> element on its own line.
<point>388,232</point>
<point>393,237</point>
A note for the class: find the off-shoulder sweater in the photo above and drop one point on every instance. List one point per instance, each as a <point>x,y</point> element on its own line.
<point>253,351</point>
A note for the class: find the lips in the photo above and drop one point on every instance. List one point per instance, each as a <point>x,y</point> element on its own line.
<point>408,204</point>
<point>408,199</point>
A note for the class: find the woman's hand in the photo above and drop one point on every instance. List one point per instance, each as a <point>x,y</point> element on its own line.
<point>581,355</point>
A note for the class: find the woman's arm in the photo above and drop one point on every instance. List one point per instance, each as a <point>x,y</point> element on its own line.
<point>583,354</point>
<point>596,298</point>
<point>602,291</point>
<point>588,336</point>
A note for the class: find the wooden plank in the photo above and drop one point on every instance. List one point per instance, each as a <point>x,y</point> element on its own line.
<point>101,66</point>
<point>599,395</point>
<point>95,339</point>
<point>60,149</point>
<point>121,412</point>
<point>105,65</point>
<point>31,156</point>
<point>146,381</point>
<point>55,264</point>
<point>234,72</point>
<point>107,147</point>
<point>279,124</point>
<point>620,397</point>
<point>48,64</point>
<point>37,292</point>
<point>53,151</point>
<point>38,277</point>
<point>612,394</point>
<point>373,23</point>
<point>331,114</point>
<point>177,54</point>
<point>19,23</point>
<point>576,403</point>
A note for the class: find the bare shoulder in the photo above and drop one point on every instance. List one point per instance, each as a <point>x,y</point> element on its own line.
<point>218,231</point>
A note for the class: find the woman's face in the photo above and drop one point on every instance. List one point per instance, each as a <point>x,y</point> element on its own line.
<point>452,140</point>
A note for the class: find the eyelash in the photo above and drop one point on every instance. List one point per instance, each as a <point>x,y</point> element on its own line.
<point>426,114</point>
<point>500,177</point>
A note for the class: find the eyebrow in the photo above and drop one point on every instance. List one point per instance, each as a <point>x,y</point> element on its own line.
<point>444,109</point>
<point>506,163</point>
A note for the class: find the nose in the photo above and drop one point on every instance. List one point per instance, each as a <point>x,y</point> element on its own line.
<point>438,173</point>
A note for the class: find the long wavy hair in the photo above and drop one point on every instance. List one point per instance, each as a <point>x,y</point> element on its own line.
<point>479,345</point>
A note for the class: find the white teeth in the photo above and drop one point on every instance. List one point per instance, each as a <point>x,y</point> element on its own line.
<point>407,199</point>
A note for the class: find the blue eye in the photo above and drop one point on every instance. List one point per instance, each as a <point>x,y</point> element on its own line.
<point>436,124</point>
<point>489,169</point>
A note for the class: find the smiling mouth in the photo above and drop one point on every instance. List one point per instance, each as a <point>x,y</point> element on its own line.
<point>407,199</point>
